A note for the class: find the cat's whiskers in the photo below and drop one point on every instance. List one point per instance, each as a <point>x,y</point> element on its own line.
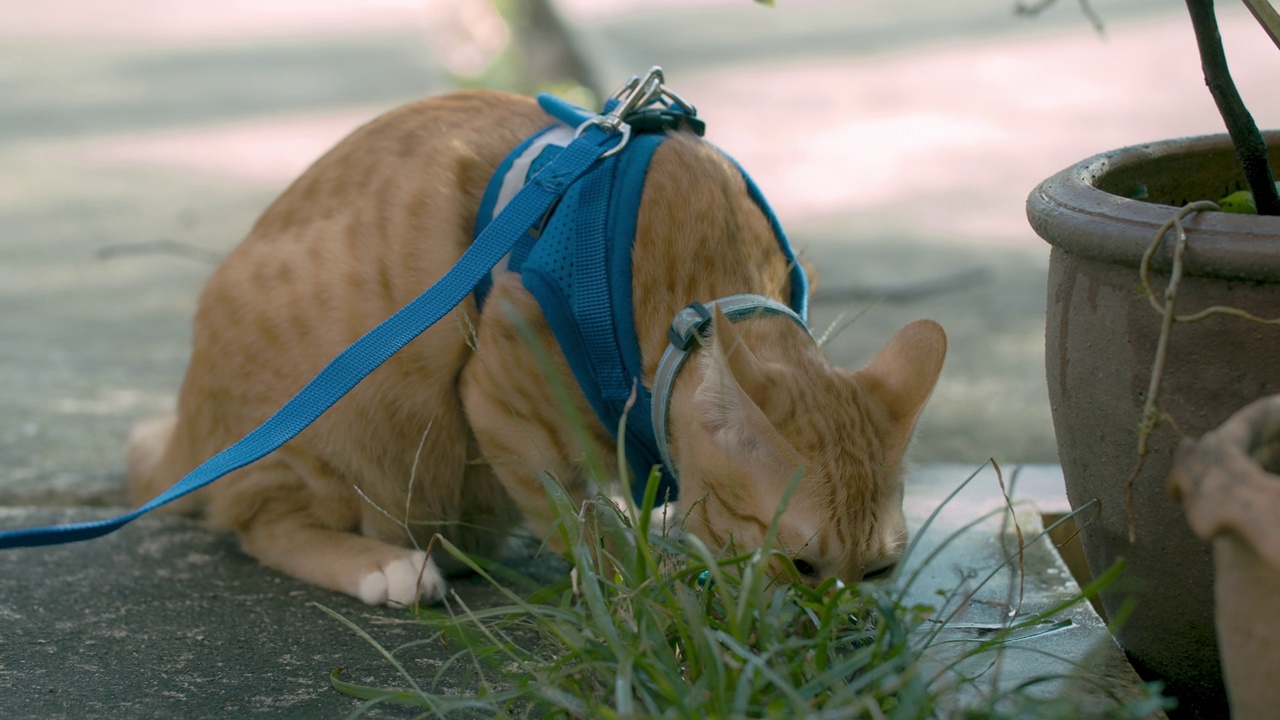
<point>402,523</point>
<point>413,477</point>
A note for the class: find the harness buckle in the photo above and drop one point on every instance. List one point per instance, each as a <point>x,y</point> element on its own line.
<point>635,95</point>
<point>689,325</point>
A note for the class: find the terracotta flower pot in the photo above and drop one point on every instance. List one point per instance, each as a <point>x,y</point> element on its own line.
<point>1100,339</point>
<point>1231,496</point>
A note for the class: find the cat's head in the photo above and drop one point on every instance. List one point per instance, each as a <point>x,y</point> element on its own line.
<point>769,406</point>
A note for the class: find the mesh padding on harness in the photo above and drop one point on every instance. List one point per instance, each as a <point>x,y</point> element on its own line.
<point>578,267</point>
<point>555,246</point>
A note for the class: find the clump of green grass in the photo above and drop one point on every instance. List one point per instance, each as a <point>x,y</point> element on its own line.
<point>649,625</point>
<point>655,626</point>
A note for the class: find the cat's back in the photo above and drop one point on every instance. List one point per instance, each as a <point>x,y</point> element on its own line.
<point>439,149</point>
<point>700,235</point>
<point>407,185</point>
<point>368,227</point>
<point>376,220</point>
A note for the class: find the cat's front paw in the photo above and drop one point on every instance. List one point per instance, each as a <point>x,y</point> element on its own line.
<point>403,581</point>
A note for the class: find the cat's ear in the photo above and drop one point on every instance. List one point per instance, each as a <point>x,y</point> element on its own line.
<point>731,354</point>
<point>732,376</point>
<point>902,375</point>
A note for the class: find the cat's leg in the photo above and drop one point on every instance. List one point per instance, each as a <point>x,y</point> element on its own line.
<point>526,410</point>
<point>362,567</point>
<point>300,528</point>
<point>489,523</point>
<point>520,435</point>
<point>518,449</point>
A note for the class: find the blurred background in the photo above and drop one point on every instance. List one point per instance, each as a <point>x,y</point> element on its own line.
<point>897,141</point>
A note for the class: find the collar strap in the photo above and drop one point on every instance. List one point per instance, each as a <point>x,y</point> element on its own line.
<point>687,329</point>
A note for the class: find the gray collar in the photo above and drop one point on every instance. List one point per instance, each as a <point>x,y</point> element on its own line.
<point>686,329</point>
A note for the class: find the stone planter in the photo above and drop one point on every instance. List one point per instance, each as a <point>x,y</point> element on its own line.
<point>1231,496</point>
<point>1100,339</point>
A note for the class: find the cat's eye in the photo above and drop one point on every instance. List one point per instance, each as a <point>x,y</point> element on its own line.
<point>880,573</point>
<point>805,568</point>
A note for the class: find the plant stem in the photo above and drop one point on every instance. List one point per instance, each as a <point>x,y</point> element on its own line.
<point>1250,147</point>
<point>1267,17</point>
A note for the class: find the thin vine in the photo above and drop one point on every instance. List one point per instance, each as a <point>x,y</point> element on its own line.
<point>1151,416</point>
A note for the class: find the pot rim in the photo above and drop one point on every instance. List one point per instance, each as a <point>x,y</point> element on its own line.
<point>1219,244</point>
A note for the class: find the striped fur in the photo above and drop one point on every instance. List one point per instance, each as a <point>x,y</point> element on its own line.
<point>451,434</point>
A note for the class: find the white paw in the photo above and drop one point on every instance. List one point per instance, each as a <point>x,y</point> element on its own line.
<point>404,581</point>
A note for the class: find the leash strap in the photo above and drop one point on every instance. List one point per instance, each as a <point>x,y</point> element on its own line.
<point>365,355</point>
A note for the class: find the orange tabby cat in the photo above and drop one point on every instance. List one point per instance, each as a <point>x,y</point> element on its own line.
<point>446,439</point>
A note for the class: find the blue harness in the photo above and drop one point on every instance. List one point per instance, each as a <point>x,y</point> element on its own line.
<point>562,209</point>
<point>577,264</point>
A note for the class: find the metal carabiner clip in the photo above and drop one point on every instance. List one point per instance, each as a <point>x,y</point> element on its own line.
<point>637,94</point>
<point>611,124</point>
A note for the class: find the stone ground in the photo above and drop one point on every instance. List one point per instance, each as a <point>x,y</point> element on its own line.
<point>896,141</point>
<point>166,618</point>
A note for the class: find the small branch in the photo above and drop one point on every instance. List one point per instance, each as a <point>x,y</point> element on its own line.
<point>162,247</point>
<point>1151,416</point>
<point>1038,6</point>
<point>903,293</point>
<point>1250,147</point>
<point>1267,17</point>
<point>550,51</point>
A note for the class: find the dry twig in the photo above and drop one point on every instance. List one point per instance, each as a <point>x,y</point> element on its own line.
<point>1151,416</point>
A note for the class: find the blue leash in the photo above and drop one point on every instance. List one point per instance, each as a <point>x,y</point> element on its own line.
<point>373,349</point>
